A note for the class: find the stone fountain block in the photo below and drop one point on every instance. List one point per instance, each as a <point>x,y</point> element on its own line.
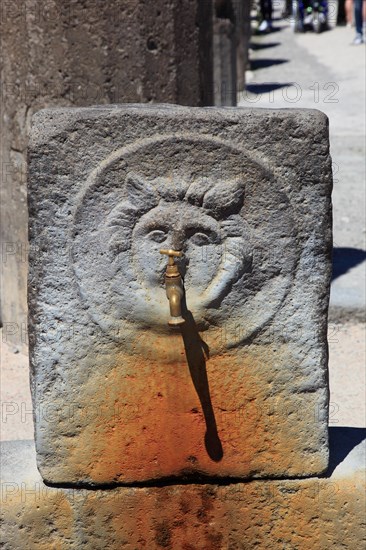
<point>321,513</point>
<point>240,390</point>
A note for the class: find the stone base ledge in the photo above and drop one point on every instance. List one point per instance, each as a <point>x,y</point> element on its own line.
<point>314,513</point>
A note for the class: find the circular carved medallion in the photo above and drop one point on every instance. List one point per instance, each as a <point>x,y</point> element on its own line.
<point>203,196</point>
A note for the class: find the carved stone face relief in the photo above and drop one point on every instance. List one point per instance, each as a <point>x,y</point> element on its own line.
<point>157,194</point>
<point>232,391</point>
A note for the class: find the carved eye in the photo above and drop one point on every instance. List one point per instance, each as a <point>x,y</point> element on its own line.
<point>158,235</point>
<point>201,239</point>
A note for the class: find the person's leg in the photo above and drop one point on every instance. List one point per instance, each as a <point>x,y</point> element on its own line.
<point>269,10</point>
<point>358,20</point>
<point>266,9</point>
<point>266,12</point>
<point>348,7</point>
<point>262,6</point>
<point>358,16</point>
<point>287,9</point>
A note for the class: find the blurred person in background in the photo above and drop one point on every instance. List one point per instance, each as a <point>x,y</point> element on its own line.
<point>349,11</point>
<point>359,6</point>
<point>266,15</point>
<point>287,9</point>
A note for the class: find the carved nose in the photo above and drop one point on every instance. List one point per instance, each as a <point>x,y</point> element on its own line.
<point>178,241</point>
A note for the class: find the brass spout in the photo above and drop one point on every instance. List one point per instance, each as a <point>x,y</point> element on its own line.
<point>174,288</point>
<point>174,293</point>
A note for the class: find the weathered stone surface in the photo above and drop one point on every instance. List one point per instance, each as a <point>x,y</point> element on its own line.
<point>58,53</point>
<point>224,63</point>
<point>318,513</point>
<point>241,390</point>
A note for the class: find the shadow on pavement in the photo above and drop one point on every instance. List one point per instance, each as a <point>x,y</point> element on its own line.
<point>341,442</point>
<point>256,46</point>
<point>346,258</point>
<point>265,88</point>
<point>263,63</point>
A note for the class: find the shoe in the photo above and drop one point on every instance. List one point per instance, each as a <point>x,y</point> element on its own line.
<point>358,40</point>
<point>263,26</point>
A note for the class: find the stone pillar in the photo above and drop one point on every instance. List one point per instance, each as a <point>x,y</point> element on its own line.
<point>224,54</point>
<point>242,33</point>
<point>58,53</point>
<point>231,34</point>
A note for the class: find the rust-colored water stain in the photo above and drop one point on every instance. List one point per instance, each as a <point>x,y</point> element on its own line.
<point>43,518</point>
<point>220,416</point>
<point>313,513</point>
